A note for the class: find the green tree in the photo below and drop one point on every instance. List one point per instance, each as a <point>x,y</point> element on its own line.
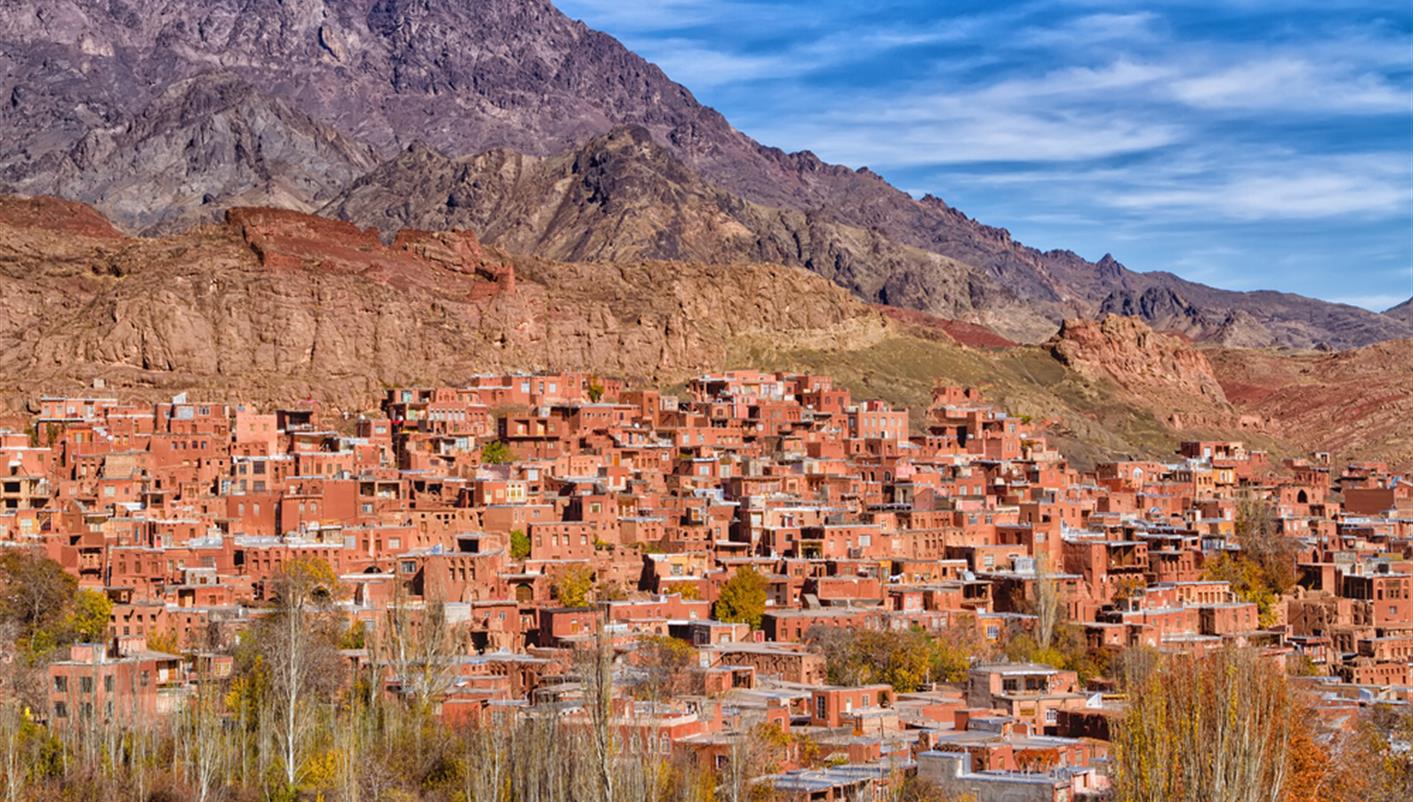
<point>519,544</point>
<point>496,452</point>
<point>742,598</point>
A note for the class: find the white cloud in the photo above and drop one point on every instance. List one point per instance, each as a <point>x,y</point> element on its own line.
<point>1372,185</point>
<point>1292,85</point>
<point>1093,29</point>
<point>698,67</point>
<point>1045,119</point>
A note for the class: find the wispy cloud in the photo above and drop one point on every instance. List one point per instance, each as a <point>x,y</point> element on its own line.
<point>1302,189</point>
<point>1093,29</point>
<point>1293,85</point>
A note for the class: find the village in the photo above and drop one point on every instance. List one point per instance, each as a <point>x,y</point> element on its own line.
<point>933,593</point>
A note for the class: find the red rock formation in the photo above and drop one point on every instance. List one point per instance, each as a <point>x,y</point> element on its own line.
<point>285,240</point>
<point>1353,403</point>
<point>56,215</point>
<point>278,305</point>
<point>1162,371</point>
<point>972,335</point>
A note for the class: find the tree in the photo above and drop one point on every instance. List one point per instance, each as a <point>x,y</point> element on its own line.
<point>1248,581</point>
<point>1047,602</point>
<point>36,595</point>
<point>574,586</point>
<point>298,644</point>
<point>1273,552</point>
<point>595,389</point>
<point>89,619</point>
<point>420,645</point>
<point>496,452</point>
<point>911,788</point>
<point>519,544</point>
<point>202,741</point>
<point>1264,568</point>
<point>1203,728</point>
<point>666,664</point>
<point>598,696</point>
<point>906,660</point>
<point>742,598</point>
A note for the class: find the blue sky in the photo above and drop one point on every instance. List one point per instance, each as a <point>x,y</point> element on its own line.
<point>1243,144</point>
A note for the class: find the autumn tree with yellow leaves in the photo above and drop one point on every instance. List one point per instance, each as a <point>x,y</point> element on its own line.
<point>1215,728</point>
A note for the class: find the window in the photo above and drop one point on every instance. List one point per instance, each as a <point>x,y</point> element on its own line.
<point>61,710</point>
<point>86,684</point>
<point>108,683</point>
<point>61,684</point>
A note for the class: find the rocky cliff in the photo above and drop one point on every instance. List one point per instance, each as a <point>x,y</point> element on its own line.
<point>275,305</point>
<point>1161,372</point>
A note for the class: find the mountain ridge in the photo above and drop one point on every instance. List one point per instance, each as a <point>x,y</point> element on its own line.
<point>329,82</point>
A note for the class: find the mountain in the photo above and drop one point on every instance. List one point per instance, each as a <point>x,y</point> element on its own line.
<point>623,196</point>
<point>1358,401</point>
<point>1402,313</point>
<point>162,113</point>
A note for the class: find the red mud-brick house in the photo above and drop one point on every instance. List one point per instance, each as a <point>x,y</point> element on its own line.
<point>1028,692</point>
<point>124,684</point>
